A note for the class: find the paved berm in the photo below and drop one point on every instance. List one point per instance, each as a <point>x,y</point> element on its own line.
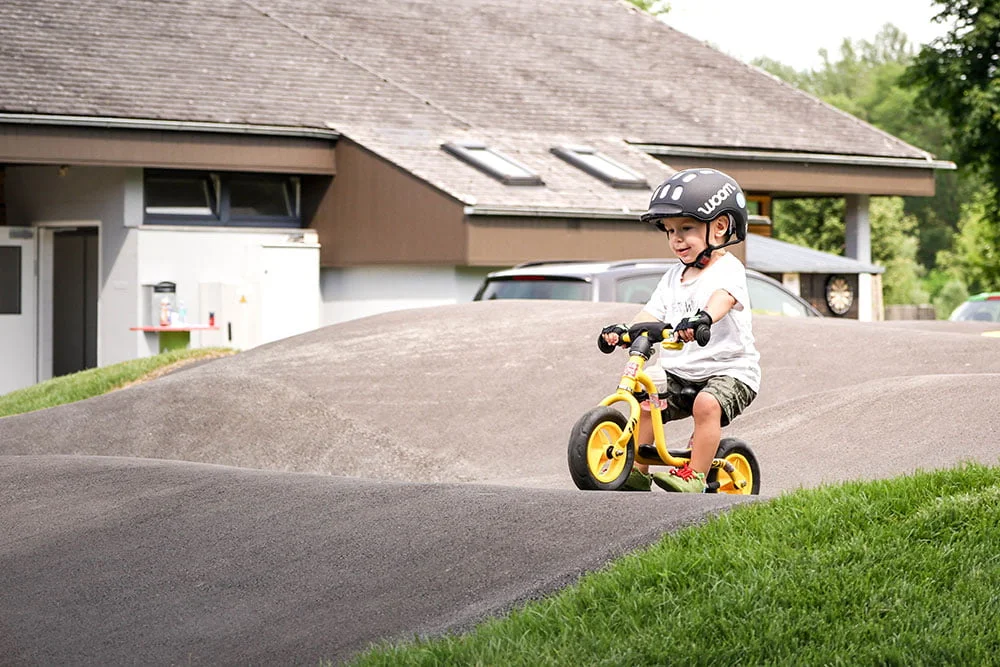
<point>405,474</point>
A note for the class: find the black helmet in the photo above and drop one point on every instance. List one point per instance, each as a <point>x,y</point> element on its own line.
<point>702,194</point>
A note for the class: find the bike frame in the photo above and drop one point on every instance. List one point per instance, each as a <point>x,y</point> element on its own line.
<point>633,377</point>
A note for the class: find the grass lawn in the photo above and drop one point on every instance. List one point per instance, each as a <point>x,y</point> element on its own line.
<point>97,381</point>
<point>904,571</point>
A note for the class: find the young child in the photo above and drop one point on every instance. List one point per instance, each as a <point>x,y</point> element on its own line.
<point>702,211</point>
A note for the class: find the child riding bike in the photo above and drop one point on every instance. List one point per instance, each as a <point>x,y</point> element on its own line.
<point>702,212</point>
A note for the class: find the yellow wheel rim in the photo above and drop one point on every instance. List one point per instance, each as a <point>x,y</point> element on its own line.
<point>726,482</point>
<point>605,460</point>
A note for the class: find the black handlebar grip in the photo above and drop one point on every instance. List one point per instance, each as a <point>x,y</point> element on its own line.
<point>603,346</point>
<point>703,334</point>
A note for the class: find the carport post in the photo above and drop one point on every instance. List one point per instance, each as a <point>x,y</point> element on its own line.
<point>858,232</point>
<point>858,245</point>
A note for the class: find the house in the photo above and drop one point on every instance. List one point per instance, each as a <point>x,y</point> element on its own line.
<point>288,164</point>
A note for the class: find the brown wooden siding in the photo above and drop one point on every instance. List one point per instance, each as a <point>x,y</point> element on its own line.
<point>796,178</point>
<point>376,213</point>
<point>3,200</point>
<point>45,144</point>
<point>502,241</point>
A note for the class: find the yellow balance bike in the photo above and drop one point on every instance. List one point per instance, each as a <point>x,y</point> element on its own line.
<point>602,446</point>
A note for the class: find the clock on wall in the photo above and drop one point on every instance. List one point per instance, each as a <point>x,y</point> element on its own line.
<point>839,295</point>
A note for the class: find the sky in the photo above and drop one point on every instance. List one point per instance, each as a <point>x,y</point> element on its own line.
<point>793,31</point>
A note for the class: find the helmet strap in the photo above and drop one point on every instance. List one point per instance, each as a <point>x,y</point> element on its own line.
<point>701,261</point>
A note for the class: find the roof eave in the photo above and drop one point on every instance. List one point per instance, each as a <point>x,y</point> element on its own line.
<point>555,212</point>
<point>926,162</point>
<point>168,125</point>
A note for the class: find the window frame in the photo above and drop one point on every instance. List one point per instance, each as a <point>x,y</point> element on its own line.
<point>571,154</point>
<point>466,152</point>
<point>188,218</point>
<point>221,200</point>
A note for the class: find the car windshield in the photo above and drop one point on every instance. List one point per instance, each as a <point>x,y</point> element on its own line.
<point>982,311</point>
<point>537,287</point>
<point>766,299</point>
<point>637,289</point>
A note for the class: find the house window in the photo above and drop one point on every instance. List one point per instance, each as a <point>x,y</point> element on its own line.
<point>505,169</point>
<point>10,280</point>
<point>601,166</point>
<point>181,195</point>
<point>759,205</point>
<point>254,200</point>
<point>224,199</point>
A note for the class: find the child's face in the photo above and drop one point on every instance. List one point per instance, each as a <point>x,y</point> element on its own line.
<point>686,236</point>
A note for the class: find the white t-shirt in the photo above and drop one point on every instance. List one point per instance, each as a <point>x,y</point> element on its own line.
<point>731,350</point>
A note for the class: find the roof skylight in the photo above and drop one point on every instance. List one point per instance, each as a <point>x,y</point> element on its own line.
<point>505,169</point>
<point>601,166</point>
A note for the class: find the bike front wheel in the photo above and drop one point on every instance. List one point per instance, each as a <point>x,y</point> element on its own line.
<point>738,454</point>
<point>596,461</point>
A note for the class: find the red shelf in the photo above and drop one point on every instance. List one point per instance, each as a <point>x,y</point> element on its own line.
<point>182,327</point>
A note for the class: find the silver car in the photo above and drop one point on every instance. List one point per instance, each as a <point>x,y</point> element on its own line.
<point>628,281</point>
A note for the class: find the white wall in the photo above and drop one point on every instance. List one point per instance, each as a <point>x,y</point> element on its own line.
<point>262,283</point>
<point>352,293</point>
<point>38,196</point>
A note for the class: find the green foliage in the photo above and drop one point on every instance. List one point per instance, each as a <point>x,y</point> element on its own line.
<point>891,572</point>
<point>976,253</point>
<point>948,297</point>
<point>654,7</point>
<point>957,74</point>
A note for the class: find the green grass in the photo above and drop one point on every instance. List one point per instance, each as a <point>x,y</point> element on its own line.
<point>897,572</point>
<point>97,381</point>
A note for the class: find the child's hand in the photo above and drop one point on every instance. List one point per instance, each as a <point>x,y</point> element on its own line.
<point>610,335</point>
<point>688,327</point>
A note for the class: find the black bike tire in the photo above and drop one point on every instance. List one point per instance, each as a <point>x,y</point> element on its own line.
<point>579,442</point>
<point>736,447</point>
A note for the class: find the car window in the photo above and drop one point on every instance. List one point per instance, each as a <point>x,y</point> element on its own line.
<point>537,287</point>
<point>636,289</point>
<point>768,299</point>
<point>981,311</point>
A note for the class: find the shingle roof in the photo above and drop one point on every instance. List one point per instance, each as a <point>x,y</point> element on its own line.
<point>404,76</point>
<point>769,255</point>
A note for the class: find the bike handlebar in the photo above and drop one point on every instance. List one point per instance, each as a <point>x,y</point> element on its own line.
<point>658,334</point>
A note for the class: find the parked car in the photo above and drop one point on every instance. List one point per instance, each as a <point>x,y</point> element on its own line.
<point>984,307</point>
<point>630,281</point>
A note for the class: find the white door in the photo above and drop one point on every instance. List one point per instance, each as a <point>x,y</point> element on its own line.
<point>18,305</point>
<point>290,296</point>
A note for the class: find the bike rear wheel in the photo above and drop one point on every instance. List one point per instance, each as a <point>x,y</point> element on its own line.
<point>737,453</point>
<point>596,463</point>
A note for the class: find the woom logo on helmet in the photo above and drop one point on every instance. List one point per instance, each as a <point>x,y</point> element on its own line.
<point>715,200</point>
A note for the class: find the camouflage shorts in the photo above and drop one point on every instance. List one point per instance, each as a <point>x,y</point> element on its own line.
<point>733,395</point>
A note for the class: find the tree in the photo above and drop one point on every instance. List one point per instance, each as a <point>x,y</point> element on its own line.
<point>654,7</point>
<point>957,74</point>
<point>975,257</point>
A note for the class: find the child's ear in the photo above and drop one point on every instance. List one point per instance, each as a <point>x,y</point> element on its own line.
<point>720,226</point>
